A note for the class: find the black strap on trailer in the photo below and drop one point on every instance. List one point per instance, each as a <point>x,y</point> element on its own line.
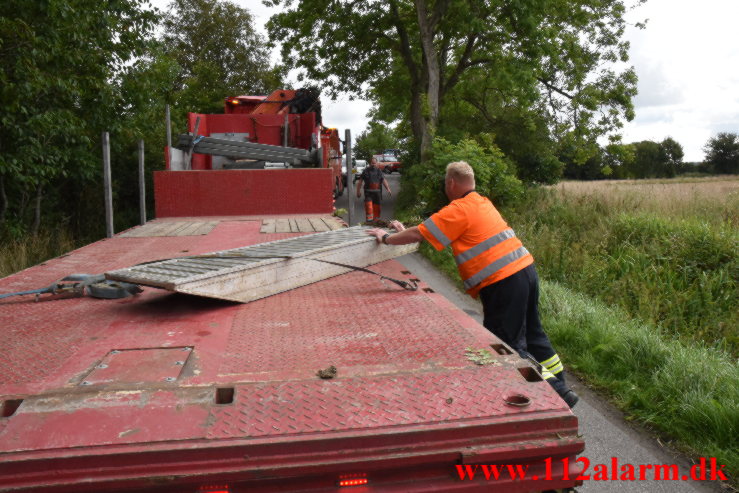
<point>410,285</point>
<point>94,285</point>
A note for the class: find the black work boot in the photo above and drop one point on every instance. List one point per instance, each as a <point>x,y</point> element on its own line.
<point>571,398</point>
<point>567,394</point>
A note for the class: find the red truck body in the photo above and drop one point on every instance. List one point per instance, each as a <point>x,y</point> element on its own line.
<point>273,120</point>
<point>169,392</point>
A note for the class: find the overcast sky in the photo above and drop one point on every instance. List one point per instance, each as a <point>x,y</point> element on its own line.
<point>687,60</point>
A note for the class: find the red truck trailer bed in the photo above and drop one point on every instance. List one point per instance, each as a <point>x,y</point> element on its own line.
<point>169,392</point>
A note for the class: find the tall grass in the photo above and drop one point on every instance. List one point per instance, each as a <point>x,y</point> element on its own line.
<point>688,393</point>
<point>19,254</point>
<point>713,200</point>
<point>663,261</point>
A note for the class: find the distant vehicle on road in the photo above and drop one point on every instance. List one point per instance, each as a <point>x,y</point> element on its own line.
<point>357,168</point>
<point>388,162</point>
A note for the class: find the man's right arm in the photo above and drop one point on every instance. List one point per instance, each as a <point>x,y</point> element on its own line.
<point>409,235</point>
<point>359,187</point>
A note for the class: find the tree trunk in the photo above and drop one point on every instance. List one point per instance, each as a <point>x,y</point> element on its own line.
<point>3,200</point>
<point>417,74</point>
<point>430,110</point>
<point>418,124</point>
<point>37,210</point>
<point>23,205</point>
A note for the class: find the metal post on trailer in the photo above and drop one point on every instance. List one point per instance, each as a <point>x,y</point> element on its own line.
<point>142,185</point>
<point>349,177</point>
<point>107,185</point>
<point>188,164</point>
<point>168,123</point>
<point>286,130</point>
<point>285,134</point>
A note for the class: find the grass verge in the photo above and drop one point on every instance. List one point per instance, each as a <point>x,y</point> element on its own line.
<point>689,394</point>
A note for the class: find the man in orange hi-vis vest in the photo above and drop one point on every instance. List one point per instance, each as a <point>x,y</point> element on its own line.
<point>494,266</point>
<point>373,180</point>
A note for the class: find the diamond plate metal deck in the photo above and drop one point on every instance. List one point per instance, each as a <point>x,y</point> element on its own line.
<point>354,404</point>
<point>405,395</point>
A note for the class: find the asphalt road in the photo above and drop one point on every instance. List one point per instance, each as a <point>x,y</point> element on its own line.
<point>607,434</point>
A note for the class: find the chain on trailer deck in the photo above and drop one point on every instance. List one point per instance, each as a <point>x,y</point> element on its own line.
<point>257,271</point>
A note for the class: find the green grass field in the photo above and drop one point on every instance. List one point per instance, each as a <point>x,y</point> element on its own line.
<point>664,252</point>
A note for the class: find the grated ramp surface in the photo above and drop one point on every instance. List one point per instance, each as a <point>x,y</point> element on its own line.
<point>256,271</point>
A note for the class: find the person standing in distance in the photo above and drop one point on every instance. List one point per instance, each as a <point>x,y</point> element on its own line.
<point>494,266</point>
<point>373,179</point>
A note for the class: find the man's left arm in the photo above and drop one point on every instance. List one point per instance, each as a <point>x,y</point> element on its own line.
<point>387,185</point>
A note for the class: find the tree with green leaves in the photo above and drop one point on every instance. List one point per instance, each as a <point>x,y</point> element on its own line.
<point>375,139</point>
<point>671,157</point>
<point>722,153</point>
<point>409,56</point>
<point>495,176</point>
<point>57,61</point>
<point>655,159</point>
<point>219,53</point>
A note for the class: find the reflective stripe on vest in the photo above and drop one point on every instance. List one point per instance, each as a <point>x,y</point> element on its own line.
<point>437,233</point>
<point>494,267</point>
<point>484,246</point>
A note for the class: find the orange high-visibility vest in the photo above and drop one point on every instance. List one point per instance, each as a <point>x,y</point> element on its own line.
<point>485,248</point>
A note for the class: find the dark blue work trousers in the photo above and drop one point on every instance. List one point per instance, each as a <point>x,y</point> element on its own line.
<point>511,312</point>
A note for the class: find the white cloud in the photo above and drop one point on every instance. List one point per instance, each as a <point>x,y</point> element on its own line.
<point>688,67</point>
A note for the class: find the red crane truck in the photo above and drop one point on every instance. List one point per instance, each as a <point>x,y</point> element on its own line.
<point>167,392</point>
<point>290,119</point>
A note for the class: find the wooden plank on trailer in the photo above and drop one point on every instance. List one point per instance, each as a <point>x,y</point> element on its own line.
<point>265,274</point>
<point>304,225</point>
<point>168,229</point>
<point>282,226</point>
<point>332,223</point>
<point>180,229</point>
<point>157,228</point>
<point>268,226</point>
<point>205,228</point>
<point>318,224</point>
<point>149,229</point>
<point>190,229</point>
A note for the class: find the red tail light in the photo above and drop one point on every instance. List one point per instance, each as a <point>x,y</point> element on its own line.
<point>214,488</point>
<point>358,479</point>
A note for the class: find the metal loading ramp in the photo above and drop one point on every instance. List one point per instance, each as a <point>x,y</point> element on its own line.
<point>257,271</point>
